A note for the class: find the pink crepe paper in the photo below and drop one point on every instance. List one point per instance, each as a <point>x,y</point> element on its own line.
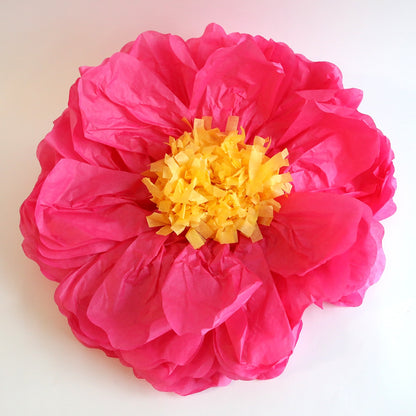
<point>187,319</point>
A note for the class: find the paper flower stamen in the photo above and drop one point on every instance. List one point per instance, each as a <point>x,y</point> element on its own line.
<point>213,185</point>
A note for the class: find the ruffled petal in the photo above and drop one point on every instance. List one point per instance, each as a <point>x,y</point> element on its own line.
<point>316,119</point>
<point>167,56</point>
<point>370,275</point>
<point>343,279</point>
<point>377,185</point>
<point>72,215</point>
<point>213,38</point>
<point>179,371</point>
<point>128,303</point>
<point>301,73</point>
<point>33,247</point>
<point>126,105</point>
<point>334,148</point>
<point>165,60</point>
<point>205,287</point>
<point>323,80</point>
<point>80,206</point>
<point>256,341</point>
<point>74,294</point>
<point>237,80</point>
<point>310,229</point>
<point>96,153</point>
<point>317,130</point>
<point>168,349</point>
<point>341,148</point>
<point>57,144</point>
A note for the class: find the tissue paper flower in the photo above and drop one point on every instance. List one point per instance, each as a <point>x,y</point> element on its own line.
<point>196,196</point>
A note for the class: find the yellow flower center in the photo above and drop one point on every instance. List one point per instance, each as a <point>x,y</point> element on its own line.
<point>213,185</point>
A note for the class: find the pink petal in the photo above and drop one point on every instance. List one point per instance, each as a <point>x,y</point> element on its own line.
<point>256,341</point>
<point>169,349</point>
<point>356,297</point>
<point>116,120</point>
<point>168,57</point>
<point>56,258</point>
<point>302,74</point>
<point>213,38</point>
<point>205,287</point>
<point>128,303</point>
<point>237,80</point>
<point>97,153</point>
<point>79,208</point>
<point>332,147</point>
<point>199,372</point>
<point>343,278</point>
<point>126,105</point>
<point>377,186</point>
<point>74,294</point>
<point>342,149</point>
<point>57,144</point>
<point>317,121</point>
<point>310,229</point>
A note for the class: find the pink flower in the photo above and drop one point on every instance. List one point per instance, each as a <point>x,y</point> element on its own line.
<point>187,319</point>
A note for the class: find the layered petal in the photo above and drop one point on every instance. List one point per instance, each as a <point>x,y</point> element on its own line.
<point>97,153</point>
<point>237,80</point>
<point>213,39</point>
<point>310,229</point>
<point>80,207</point>
<point>205,287</point>
<point>128,303</point>
<point>167,56</point>
<point>74,294</point>
<point>316,119</point>
<point>126,105</point>
<point>377,185</point>
<point>371,270</point>
<point>257,340</point>
<point>56,145</point>
<point>74,213</point>
<point>179,371</point>
<point>342,278</point>
<point>334,148</point>
<point>301,73</point>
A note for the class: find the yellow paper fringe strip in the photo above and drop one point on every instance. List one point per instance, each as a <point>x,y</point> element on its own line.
<point>213,185</point>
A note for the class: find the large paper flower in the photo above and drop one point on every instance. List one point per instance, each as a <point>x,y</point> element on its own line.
<point>188,314</point>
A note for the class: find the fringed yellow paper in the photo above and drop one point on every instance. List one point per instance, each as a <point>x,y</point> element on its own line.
<point>213,185</point>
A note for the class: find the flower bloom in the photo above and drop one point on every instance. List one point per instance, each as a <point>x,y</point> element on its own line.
<point>191,311</point>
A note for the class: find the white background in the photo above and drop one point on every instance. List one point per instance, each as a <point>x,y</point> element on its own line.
<point>348,361</point>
